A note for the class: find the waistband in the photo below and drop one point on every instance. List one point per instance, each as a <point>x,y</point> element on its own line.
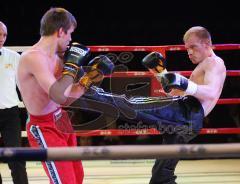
<point>193,103</point>
<point>53,116</point>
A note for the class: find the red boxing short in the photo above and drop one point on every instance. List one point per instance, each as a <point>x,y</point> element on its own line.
<point>42,132</point>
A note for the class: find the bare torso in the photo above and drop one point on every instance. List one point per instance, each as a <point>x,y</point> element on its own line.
<point>35,96</point>
<point>210,76</point>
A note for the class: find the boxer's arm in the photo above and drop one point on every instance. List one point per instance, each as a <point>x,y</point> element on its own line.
<point>73,92</point>
<point>47,80</point>
<point>95,71</point>
<point>74,58</point>
<point>37,66</point>
<point>215,73</point>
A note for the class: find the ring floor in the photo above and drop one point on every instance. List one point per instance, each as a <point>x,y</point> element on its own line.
<point>224,171</point>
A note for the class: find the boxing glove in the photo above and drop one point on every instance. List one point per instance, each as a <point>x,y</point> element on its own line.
<point>155,61</point>
<point>171,81</point>
<point>74,57</point>
<point>97,68</point>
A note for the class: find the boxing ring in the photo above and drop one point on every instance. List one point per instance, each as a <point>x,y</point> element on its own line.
<point>139,159</point>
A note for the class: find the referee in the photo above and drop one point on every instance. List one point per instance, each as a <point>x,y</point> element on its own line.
<point>10,123</point>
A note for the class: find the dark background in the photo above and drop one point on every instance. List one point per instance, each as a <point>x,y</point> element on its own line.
<point>145,22</point>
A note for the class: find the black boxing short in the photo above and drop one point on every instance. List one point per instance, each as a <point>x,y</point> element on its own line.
<point>174,114</point>
<point>181,115</point>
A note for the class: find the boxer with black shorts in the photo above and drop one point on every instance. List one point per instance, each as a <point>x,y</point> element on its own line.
<point>188,101</point>
<point>204,87</point>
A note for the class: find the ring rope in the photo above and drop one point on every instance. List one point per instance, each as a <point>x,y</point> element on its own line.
<point>137,132</point>
<point>123,152</point>
<point>150,131</point>
<point>230,73</point>
<point>162,48</point>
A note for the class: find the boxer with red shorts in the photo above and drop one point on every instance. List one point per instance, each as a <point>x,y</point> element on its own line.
<point>48,79</point>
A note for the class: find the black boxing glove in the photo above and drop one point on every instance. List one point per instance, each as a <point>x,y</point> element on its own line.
<point>155,61</point>
<point>171,81</point>
<point>97,68</point>
<point>74,57</point>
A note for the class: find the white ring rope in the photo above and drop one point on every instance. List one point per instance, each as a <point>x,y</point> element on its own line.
<point>231,150</point>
